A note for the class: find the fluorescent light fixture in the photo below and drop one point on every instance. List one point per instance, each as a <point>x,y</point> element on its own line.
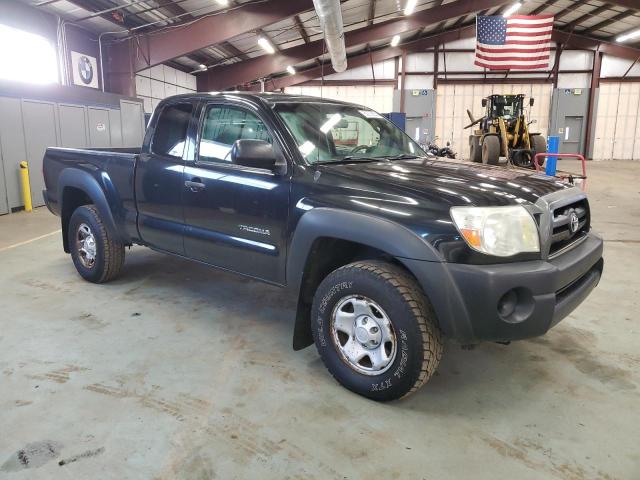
<point>266,45</point>
<point>224,3</point>
<point>25,57</point>
<point>512,9</point>
<point>395,40</point>
<point>628,36</point>
<point>329,124</point>
<point>291,70</point>
<point>202,66</point>
<point>410,7</point>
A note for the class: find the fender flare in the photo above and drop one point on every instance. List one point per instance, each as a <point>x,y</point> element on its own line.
<point>376,232</point>
<point>73,177</point>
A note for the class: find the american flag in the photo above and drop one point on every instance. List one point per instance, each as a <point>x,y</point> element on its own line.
<point>519,42</point>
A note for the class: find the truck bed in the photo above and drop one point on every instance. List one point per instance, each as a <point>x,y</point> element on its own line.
<point>112,169</point>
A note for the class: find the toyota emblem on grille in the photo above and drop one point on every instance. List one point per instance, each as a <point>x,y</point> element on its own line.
<point>574,222</point>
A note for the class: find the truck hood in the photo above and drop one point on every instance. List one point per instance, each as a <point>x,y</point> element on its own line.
<point>445,184</point>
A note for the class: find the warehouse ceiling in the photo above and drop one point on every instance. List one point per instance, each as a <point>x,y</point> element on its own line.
<point>592,18</point>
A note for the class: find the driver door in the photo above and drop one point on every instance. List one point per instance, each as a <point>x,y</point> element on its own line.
<point>235,216</point>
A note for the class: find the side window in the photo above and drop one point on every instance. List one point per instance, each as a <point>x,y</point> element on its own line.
<point>171,130</point>
<point>224,125</point>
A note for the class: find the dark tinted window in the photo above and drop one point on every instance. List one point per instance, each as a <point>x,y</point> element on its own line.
<point>223,126</point>
<point>171,130</point>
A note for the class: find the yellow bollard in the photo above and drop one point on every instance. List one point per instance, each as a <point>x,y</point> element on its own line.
<point>26,188</point>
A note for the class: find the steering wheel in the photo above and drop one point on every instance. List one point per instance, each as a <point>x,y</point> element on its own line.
<point>360,149</point>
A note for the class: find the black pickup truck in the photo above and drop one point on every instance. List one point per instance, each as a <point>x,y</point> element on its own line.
<point>388,251</point>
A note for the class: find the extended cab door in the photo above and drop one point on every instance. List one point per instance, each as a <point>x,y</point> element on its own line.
<point>235,216</point>
<point>159,182</point>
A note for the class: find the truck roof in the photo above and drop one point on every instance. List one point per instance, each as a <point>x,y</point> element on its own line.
<point>266,97</point>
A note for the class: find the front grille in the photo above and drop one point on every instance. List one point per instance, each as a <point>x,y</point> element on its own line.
<point>562,234</point>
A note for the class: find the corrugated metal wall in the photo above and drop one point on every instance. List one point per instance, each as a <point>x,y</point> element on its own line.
<point>28,127</point>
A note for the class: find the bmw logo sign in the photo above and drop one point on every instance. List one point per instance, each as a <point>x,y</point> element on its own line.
<point>85,69</point>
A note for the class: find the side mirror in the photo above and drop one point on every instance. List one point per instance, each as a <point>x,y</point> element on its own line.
<point>531,102</point>
<point>484,102</point>
<point>253,153</point>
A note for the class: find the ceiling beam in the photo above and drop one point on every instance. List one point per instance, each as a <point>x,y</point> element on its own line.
<point>583,18</point>
<point>372,12</point>
<point>147,50</point>
<point>366,58</point>
<point>606,23</point>
<point>300,28</point>
<point>577,40</point>
<point>358,60</point>
<point>239,73</point>
<point>630,4</point>
<point>543,7</point>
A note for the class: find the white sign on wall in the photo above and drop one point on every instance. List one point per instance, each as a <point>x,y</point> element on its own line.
<point>85,70</point>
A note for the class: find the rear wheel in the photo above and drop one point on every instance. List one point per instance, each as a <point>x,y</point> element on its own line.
<point>475,150</point>
<point>97,256</point>
<point>375,330</point>
<point>539,145</point>
<point>491,150</point>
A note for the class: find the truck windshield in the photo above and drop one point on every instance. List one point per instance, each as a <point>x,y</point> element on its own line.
<point>327,132</point>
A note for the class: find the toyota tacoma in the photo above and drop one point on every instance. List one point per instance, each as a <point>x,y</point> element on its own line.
<point>387,250</point>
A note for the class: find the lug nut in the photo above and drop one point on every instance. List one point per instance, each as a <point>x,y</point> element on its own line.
<point>374,330</point>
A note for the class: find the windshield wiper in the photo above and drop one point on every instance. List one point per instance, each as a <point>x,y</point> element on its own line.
<point>402,156</point>
<point>351,158</point>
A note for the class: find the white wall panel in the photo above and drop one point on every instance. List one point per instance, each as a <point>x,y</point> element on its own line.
<point>606,120</point>
<point>157,89</point>
<point>574,80</point>
<point>576,60</point>
<point>617,67</point>
<point>617,123</point>
<point>157,72</point>
<point>191,82</point>
<point>143,86</point>
<point>160,82</point>
<point>418,82</point>
<point>169,75</point>
<point>420,62</point>
<point>383,71</point>
<point>379,98</point>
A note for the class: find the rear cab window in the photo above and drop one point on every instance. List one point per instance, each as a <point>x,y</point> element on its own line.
<point>170,134</point>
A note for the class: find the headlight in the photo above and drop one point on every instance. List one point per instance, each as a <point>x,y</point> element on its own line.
<point>499,231</point>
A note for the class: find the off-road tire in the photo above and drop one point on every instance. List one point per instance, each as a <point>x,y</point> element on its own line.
<point>491,150</point>
<point>539,145</point>
<point>418,339</point>
<point>475,150</point>
<point>109,257</point>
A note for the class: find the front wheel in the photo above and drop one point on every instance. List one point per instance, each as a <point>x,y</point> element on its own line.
<point>97,256</point>
<point>375,330</point>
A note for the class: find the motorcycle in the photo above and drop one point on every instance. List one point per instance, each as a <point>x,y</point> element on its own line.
<point>446,152</point>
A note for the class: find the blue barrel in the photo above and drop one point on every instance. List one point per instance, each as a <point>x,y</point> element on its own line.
<point>552,162</point>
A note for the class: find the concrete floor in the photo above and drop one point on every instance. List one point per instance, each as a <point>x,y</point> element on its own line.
<point>179,371</point>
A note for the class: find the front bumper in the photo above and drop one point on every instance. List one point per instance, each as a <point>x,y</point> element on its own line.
<point>509,301</point>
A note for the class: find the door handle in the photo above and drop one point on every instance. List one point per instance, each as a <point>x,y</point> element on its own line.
<point>195,185</point>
